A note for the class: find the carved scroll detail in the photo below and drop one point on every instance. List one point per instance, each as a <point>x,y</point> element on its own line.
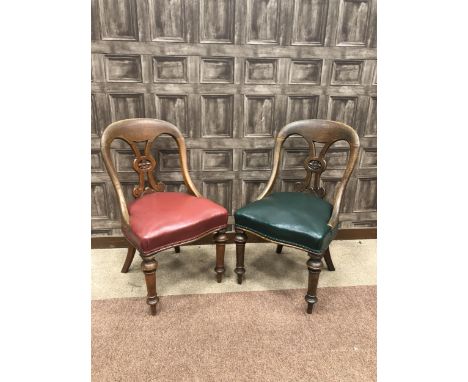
<point>145,165</point>
<point>314,166</point>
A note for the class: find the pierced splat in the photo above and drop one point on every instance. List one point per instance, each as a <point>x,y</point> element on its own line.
<point>145,164</point>
<point>314,166</point>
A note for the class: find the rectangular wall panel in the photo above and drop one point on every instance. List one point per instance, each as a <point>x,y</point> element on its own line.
<point>217,21</point>
<point>99,201</point>
<point>216,115</point>
<point>347,72</point>
<point>353,22</point>
<point>263,21</point>
<point>342,109</point>
<point>305,72</point>
<point>217,160</point>
<point>217,70</point>
<point>169,160</point>
<point>259,112</point>
<point>368,158</point>
<point>366,195</point>
<point>170,69</point>
<point>174,109</point>
<point>167,20</point>
<point>118,19</point>
<point>97,165</point>
<point>257,159</point>
<point>260,71</point>
<point>124,106</point>
<point>309,23</point>
<point>302,107</point>
<point>123,68</point>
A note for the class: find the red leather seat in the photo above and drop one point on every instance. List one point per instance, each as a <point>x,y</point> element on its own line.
<point>162,220</point>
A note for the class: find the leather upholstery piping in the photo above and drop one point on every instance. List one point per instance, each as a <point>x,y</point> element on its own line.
<point>288,244</point>
<point>155,251</point>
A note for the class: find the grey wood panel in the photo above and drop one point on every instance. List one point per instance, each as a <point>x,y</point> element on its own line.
<point>309,23</point>
<point>168,20</point>
<point>229,74</point>
<point>216,21</point>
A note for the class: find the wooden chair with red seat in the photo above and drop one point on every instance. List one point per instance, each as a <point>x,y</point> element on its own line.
<point>158,220</point>
<point>301,220</point>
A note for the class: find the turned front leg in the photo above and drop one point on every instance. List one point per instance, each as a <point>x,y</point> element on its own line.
<point>314,265</point>
<point>240,239</point>
<point>220,238</point>
<point>149,266</point>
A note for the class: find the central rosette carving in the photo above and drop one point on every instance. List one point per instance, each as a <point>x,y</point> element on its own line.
<point>144,164</point>
<point>314,165</point>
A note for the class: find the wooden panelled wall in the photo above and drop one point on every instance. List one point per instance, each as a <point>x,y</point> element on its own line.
<point>230,74</point>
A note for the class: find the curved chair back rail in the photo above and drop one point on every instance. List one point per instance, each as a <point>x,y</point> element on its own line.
<point>145,130</point>
<point>324,132</point>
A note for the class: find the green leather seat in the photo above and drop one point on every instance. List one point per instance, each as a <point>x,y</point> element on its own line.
<point>294,218</point>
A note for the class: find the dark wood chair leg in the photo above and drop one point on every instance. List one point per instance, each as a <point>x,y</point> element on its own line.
<point>149,266</point>
<point>314,266</point>
<point>220,238</point>
<point>240,239</point>
<point>128,260</point>
<point>177,249</point>
<point>279,248</point>
<point>328,260</point>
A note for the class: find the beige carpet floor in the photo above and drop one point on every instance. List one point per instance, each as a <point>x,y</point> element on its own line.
<point>247,336</point>
<point>191,271</point>
<point>257,331</point>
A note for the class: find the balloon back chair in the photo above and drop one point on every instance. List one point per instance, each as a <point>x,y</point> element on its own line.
<point>158,220</point>
<point>301,220</point>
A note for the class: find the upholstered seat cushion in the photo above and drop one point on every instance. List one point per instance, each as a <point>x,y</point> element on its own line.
<point>294,218</point>
<point>164,219</point>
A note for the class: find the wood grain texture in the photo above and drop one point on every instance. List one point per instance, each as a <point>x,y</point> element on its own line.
<point>118,20</point>
<point>230,74</point>
<point>216,21</point>
<point>123,68</point>
<point>167,20</point>
<point>310,20</point>
<point>263,21</point>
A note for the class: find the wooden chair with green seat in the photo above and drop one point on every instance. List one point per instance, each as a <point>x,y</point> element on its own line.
<point>301,220</point>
